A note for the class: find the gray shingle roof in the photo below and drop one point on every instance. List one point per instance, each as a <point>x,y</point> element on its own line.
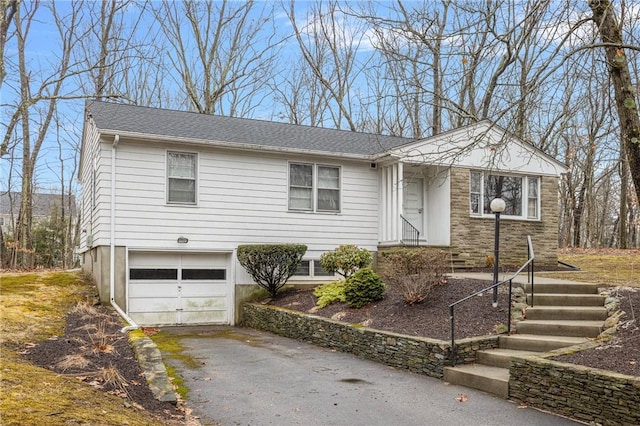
<point>114,118</point>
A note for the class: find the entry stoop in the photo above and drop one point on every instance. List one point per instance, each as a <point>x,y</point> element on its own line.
<point>565,314</point>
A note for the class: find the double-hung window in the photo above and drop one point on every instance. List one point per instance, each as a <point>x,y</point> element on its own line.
<point>520,194</point>
<point>312,268</point>
<point>181,177</point>
<point>314,187</point>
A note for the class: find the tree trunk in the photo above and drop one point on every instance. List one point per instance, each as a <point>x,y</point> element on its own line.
<point>626,104</point>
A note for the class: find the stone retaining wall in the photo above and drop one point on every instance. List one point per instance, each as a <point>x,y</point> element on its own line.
<point>416,354</point>
<point>575,391</point>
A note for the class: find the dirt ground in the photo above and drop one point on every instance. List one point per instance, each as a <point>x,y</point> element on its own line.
<point>475,317</point>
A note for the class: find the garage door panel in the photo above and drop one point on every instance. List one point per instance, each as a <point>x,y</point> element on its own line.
<point>169,304</point>
<point>155,318</point>
<point>205,317</point>
<point>205,260</point>
<point>153,259</point>
<point>204,290</point>
<point>144,290</point>
<point>178,288</point>
<point>199,303</point>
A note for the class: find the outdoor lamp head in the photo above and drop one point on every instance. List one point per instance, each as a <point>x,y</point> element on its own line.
<point>498,205</point>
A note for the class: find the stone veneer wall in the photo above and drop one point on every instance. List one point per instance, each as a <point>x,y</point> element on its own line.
<point>417,354</point>
<point>579,392</point>
<point>473,237</point>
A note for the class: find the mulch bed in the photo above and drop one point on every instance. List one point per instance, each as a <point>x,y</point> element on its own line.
<point>622,353</point>
<point>475,317</point>
<point>94,350</point>
<point>430,318</point>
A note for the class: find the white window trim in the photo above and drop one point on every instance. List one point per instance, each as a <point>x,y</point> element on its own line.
<point>312,274</point>
<point>314,190</point>
<point>166,179</point>
<point>524,200</point>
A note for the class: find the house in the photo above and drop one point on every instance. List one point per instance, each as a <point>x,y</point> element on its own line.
<point>167,197</point>
<point>44,206</point>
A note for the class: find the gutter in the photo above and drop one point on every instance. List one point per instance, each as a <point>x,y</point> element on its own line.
<point>112,245</point>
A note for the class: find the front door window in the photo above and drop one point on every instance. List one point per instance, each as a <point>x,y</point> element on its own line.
<point>413,203</point>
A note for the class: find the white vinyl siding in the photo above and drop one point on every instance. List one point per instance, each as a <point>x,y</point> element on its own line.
<point>314,187</point>
<point>242,198</point>
<point>182,170</point>
<point>520,194</point>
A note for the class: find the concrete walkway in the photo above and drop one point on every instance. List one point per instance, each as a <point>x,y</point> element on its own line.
<point>520,279</point>
<point>248,377</point>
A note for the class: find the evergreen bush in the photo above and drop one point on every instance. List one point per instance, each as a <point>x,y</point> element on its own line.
<point>330,293</point>
<point>346,259</point>
<point>363,287</point>
<point>271,265</point>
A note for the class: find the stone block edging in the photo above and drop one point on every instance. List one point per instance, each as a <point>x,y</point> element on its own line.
<point>575,391</point>
<point>417,354</point>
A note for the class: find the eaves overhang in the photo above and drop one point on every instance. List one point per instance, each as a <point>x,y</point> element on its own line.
<point>237,145</point>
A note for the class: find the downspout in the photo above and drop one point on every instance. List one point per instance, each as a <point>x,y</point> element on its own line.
<point>112,248</point>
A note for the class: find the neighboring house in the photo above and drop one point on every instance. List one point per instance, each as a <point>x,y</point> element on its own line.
<point>170,195</point>
<point>44,205</point>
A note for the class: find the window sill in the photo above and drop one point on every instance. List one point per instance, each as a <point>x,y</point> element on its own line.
<point>314,212</point>
<point>505,217</point>
<point>181,205</point>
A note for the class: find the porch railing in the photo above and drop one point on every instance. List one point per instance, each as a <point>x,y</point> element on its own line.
<point>530,272</point>
<point>410,234</point>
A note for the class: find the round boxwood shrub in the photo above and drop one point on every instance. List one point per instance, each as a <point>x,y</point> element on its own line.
<point>363,287</point>
<point>346,259</point>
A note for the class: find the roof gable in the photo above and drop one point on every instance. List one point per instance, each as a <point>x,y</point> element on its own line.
<point>482,145</point>
<point>146,122</point>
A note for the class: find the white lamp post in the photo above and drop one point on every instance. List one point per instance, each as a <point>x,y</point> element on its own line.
<point>497,206</point>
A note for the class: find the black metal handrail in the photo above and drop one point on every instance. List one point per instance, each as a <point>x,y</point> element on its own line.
<point>410,234</point>
<point>530,273</point>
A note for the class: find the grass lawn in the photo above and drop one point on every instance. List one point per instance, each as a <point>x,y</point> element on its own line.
<point>601,266</point>
<point>33,307</point>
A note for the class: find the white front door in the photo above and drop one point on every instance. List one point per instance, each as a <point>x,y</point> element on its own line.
<point>413,203</point>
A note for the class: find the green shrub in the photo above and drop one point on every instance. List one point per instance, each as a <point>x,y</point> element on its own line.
<point>330,293</point>
<point>363,287</point>
<point>413,273</point>
<point>345,260</point>
<point>271,265</point>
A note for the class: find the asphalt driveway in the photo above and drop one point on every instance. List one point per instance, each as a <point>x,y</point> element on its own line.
<point>247,377</point>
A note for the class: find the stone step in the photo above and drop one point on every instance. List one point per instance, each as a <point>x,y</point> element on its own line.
<point>562,288</point>
<point>588,313</point>
<point>537,343</point>
<point>500,357</point>
<point>553,299</point>
<point>561,328</point>
<point>490,379</point>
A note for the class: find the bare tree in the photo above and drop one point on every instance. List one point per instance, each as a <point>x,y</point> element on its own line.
<point>330,44</point>
<point>8,10</point>
<point>625,97</point>
<point>233,52</point>
<point>35,109</point>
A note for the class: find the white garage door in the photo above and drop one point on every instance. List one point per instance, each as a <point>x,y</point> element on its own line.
<point>179,288</point>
